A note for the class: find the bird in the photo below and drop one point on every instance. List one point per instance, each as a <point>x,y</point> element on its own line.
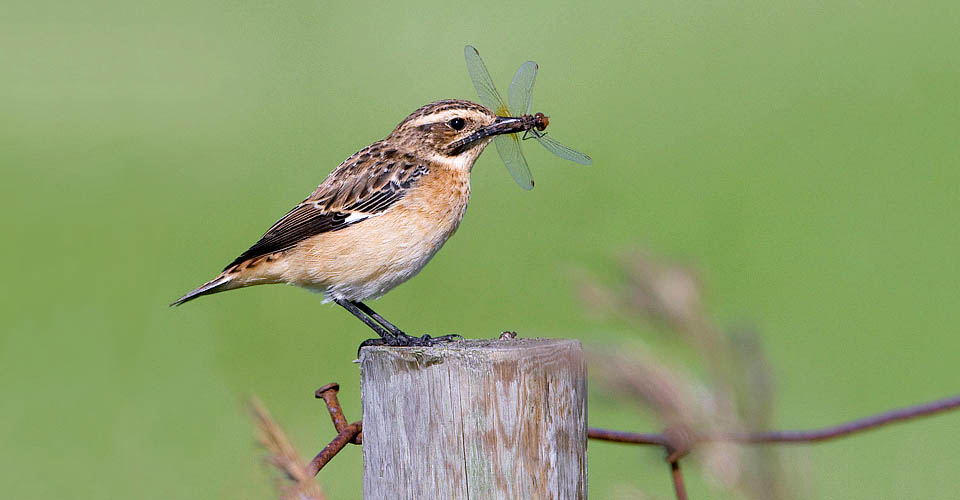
<point>378,218</point>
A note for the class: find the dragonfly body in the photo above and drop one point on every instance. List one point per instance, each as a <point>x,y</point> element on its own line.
<point>537,122</point>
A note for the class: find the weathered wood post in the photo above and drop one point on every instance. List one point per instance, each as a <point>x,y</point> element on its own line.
<point>497,419</point>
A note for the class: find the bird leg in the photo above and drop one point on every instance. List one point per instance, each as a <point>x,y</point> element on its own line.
<point>379,319</point>
<point>389,334</point>
<point>385,336</point>
<point>402,338</point>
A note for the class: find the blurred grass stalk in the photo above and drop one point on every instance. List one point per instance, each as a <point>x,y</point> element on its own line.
<point>734,391</point>
<point>296,483</point>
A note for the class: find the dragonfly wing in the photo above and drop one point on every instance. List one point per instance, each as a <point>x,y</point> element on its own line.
<point>508,146</point>
<point>520,93</point>
<point>489,96</point>
<point>563,151</point>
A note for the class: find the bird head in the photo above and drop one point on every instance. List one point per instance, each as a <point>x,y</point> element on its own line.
<point>452,131</point>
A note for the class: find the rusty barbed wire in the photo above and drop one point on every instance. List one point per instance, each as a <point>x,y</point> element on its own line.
<point>352,433</point>
<point>678,485</point>
<point>797,436</point>
<point>346,433</point>
<point>328,394</point>
<point>775,437</point>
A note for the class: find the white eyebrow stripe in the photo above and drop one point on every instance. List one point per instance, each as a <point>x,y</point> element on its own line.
<point>440,117</point>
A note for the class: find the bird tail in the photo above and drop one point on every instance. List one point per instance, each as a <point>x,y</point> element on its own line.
<point>213,286</point>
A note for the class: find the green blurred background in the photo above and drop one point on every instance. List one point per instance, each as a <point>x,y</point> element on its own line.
<point>803,154</point>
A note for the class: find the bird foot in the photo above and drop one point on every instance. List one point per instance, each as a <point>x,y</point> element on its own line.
<point>404,340</point>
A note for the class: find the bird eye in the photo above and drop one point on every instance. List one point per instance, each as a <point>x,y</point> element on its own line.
<point>457,123</point>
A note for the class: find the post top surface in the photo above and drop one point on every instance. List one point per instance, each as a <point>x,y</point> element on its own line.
<point>473,348</point>
<point>483,344</point>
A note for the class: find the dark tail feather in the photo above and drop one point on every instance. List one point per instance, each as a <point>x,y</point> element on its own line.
<point>212,286</point>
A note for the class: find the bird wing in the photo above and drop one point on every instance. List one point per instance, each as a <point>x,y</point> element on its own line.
<point>363,186</point>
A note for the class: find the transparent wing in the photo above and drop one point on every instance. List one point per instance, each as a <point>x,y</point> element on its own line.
<point>563,151</point>
<point>483,83</point>
<point>520,93</point>
<point>508,146</point>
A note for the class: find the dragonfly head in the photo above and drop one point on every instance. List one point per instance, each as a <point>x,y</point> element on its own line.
<point>540,121</point>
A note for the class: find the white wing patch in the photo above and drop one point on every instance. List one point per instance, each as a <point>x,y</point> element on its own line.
<point>356,217</point>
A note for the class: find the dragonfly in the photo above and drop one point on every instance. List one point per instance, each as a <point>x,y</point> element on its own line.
<point>520,98</point>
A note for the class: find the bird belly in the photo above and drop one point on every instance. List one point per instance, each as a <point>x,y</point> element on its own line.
<point>370,258</point>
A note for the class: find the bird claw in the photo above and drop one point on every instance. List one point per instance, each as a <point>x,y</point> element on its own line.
<point>404,340</point>
<point>428,341</point>
<point>375,342</point>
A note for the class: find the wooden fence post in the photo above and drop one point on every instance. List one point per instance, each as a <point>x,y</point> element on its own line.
<point>498,419</point>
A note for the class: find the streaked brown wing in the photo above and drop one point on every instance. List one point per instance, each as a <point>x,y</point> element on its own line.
<point>363,186</point>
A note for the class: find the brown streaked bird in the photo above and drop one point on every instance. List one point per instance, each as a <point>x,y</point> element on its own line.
<point>379,217</point>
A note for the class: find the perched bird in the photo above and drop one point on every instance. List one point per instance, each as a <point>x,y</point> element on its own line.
<point>379,217</point>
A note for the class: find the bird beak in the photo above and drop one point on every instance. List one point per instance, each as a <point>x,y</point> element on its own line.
<point>502,125</point>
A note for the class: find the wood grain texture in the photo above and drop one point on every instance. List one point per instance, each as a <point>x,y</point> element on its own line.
<point>475,419</point>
